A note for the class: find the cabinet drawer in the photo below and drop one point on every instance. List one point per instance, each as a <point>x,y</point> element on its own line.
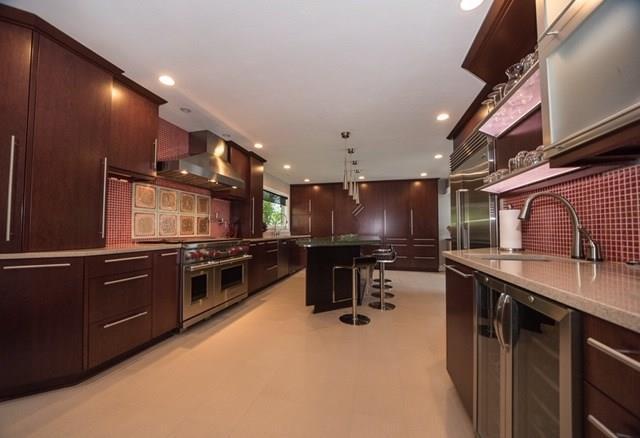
<point>424,249</point>
<point>116,295</point>
<point>612,362</point>
<point>602,415</point>
<point>98,266</point>
<point>424,262</point>
<point>112,338</point>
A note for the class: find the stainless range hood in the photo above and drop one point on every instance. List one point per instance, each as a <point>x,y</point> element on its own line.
<point>206,166</point>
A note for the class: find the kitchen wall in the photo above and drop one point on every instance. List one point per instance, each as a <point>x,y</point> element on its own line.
<point>608,205</point>
<point>276,185</point>
<point>173,142</point>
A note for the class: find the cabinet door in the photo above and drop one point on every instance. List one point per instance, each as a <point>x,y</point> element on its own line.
<point>459,316</point>
<point>15,51</point>
<point>65,208</point>
<point>41,324</point>
<point>321,210</point>
<point>300,200</point>
<point>134,131</point>
<point>166,291</point>
<point>343,220</point>
<point>424,208</point>
<point>255,267</point>
<point>301,224</point>
<point>284,257</point>
<point>256,187</point>
<point>370,219</point>
<point>397,213</point>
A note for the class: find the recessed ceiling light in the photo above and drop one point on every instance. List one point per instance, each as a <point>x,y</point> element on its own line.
<point>442,117</point>
<point>287,166</point>
<point>307,180</point>
<point>258,145</point>
<point>437,156</point>
<point>469,5</point>
<point>167,80</point>
<point>423,174</point>
<point>361,177</point>
<point>184,172</point>
<point>185,110</point>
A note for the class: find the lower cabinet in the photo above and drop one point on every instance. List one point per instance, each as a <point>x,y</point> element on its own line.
<point>460,332</point>
<point>284,256</point>
<point>166,291</point>
<point>41,326</point>
<point>297,257</point>
<point>256,265</point>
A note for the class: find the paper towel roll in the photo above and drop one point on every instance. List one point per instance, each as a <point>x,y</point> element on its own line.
<point>510,232</point>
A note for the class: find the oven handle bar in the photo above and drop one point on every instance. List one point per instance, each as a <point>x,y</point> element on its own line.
<point>215,263</point>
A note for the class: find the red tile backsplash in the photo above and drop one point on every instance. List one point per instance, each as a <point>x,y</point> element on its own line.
<point>173,142</point>
<point>608,205</point>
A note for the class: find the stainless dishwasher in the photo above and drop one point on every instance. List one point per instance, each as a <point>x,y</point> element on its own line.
<point>527,364</point>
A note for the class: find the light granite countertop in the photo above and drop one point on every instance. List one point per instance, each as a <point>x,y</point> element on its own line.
<point>116,249</point>
<point>608,290</point>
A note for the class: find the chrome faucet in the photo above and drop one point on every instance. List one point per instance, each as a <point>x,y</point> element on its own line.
<point>578,231</point>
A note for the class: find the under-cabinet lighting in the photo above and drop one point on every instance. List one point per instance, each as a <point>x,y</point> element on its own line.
<point>526,177</point>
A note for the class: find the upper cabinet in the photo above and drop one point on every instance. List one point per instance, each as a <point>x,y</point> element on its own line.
<point>15,51</point>
<point>590,75</point>
<point>424,209</point>
<point>256,186</point>
<point>134,130</point>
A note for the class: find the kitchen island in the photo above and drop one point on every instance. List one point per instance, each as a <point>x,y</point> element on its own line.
<point>323,253</point>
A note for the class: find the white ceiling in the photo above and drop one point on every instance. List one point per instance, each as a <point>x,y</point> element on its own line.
<point>294,74</point>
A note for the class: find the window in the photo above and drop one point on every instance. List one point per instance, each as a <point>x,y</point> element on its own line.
<point>274,210</point>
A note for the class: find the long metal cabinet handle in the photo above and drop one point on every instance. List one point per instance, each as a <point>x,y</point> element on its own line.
<point>167,254</point>
<point>124,280</point>
<point>460,273</point>
<point>604,429</point>
<point>497,319</point>
<point>384,222</point>
<point>411,221</point>
<point>137,315</point>
<point>10,187</point>
<point>154,165</point>
<point>615,354</point>
<point>458,222</point>
<point>104,198</point>
<point>506,336</point>
<point>309,224</point>
<point>332,227</point>
<point>309,202</point>
<point>50,265</point>
<point>271,268</point>
<point>253,215</point>
<point>126,259</point>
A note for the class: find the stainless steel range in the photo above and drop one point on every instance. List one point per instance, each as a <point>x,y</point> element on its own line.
<point>214,276</point>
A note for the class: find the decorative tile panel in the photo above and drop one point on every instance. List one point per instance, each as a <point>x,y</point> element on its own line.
<point>608,205</point>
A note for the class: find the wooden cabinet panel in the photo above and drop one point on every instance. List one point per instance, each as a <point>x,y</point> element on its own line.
<point>256,182</point>
<point>110,339</point>
<point>134,131</point>
<point>256,266</point>
<point>284,257</point>
<point>609,374</point>
<point>300,197</point>
<point>298,257</point>
<point>166,291</point>
<point>370,219</point>
<point>424,204</point>
<point>116,295</point>
<point>343,220</point>
<point>15,51</point>
<point>301,224</point>
<point>397,211</point>
<point>321,210</point>
<point>602,411</point>
<point>42,322</point>
<point>70,138</point>
<point>459,325</point>
<point>110,264</point>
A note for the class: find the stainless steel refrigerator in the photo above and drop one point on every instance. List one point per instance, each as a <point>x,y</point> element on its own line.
<point>473,212</point>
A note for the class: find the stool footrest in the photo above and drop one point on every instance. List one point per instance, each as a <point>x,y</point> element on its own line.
<point>378,305</point>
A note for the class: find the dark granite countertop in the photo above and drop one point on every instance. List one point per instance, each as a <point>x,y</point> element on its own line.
<point>343,240</point>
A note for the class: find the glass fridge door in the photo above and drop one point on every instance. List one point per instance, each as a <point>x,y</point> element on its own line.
<point>489,395</point>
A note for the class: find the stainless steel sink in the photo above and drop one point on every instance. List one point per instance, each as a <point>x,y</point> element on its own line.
<point>519,257</point>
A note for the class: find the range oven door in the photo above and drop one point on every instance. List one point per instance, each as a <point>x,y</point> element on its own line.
<point>231,279</point>
<point>198,290</point>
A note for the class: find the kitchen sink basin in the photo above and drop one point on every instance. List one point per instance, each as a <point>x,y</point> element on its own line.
<point>519,257</point>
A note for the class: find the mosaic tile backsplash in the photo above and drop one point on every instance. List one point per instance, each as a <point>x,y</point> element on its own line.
<point>608,205</point>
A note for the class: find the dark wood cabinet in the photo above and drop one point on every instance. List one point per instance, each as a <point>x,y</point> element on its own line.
<point>134,131</point>
<point>301,200</point>
<point>424,209</point>
<point>66,184</point>
<point>256,266</point>
<point>256,184</point>
<point>15,51</point>
<point>297,257</point>
<point>284,257</point>
<point>460,332</point>
<point>397,209</point>
<point>322,210</point>
<point>602,412</point>
<point>344,222</point>
<point>41,328</point>
<point>166,291</point>
<point>370,220</point>
<point>301,224</point>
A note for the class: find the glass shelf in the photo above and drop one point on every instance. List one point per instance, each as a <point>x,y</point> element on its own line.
<point>524,177</point>
<point>517,104</point>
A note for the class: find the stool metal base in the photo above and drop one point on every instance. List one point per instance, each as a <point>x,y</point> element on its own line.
<point>386,286</point>
<point>378,305</point>
<point>348,318</point>
<point>377,280</point>
<point>386,295</point>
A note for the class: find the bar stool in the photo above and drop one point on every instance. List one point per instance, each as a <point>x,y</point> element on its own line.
<point>387,281</point>
<point>384,257</point>
<point>359,263</point>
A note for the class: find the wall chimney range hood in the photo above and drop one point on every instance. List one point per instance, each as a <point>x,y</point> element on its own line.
<point>206,166</point>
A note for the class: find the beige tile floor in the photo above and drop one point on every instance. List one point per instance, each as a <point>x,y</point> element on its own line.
<point>269,368</point>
